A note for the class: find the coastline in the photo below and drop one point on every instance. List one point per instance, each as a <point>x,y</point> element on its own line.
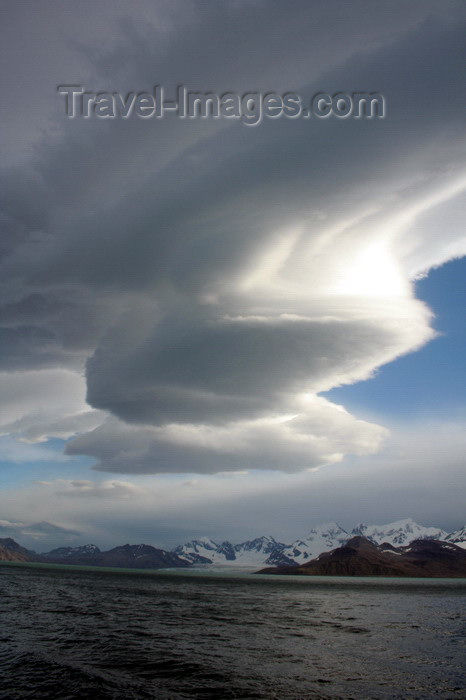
<point>373,582</point>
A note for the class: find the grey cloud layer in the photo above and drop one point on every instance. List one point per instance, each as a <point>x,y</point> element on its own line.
<point>210,274</point>
<point>321,433</point>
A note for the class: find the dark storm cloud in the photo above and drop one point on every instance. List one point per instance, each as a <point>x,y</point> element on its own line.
<point>200,373</point>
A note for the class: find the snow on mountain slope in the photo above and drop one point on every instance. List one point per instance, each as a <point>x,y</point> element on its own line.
<point>251,553</point>
<point>69,552</point>
<point>322,538</point>
<point>264,551</point>
<point>202,551</point>
<point>401,532</point>
<point>458,537</point>
<point>254,552</point>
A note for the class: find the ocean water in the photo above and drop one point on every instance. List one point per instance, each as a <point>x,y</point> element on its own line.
<point>75,633</point>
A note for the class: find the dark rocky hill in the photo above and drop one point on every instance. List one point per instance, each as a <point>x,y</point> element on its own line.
<point>136,556</point>
<point>87,550</point>
<point>360,557</point>
<point>7,554</point>
<point>12,546</point>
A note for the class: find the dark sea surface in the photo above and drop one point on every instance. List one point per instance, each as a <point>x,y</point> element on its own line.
<point>74,633</point>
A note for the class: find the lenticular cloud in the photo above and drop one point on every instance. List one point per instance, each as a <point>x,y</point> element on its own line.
<point>215,285</point>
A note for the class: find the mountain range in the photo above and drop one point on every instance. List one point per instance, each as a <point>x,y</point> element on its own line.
<point>359,556</point>
<point>253,554</point>
<point>323,538</point>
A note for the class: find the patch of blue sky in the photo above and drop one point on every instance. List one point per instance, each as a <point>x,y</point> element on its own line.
<point>22,463</point>
<point>429,383</point>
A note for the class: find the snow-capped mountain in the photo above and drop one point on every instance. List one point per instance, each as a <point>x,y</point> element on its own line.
<point>320,539</point>
<point>66,552</point>
<point>264,551</point>
<point>251,553</point>
<point>260,549</point>
<point>202,551</point>
<point>399,533</point>
<point>132,556</point>
<point>458,537</point>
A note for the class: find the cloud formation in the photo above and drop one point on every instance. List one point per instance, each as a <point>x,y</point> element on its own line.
<point>106,489</point>
<point>39,404</point>
<point>212,287</point>
<point>420,474</point>
<point>321,433</point>
<point>40,532</point>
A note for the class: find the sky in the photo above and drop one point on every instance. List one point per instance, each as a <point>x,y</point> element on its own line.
<point>213,328</point>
